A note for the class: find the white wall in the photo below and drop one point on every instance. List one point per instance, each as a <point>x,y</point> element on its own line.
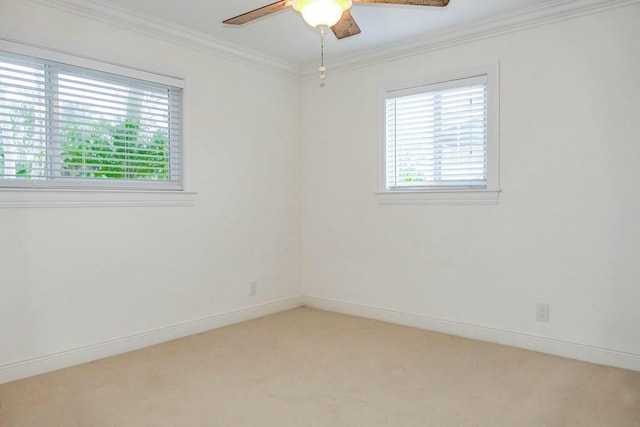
<point>75,277</point>
<point>565,232</point>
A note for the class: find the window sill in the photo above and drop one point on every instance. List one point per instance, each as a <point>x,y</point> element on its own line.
<point>447,197</point>
<point>49,198</point>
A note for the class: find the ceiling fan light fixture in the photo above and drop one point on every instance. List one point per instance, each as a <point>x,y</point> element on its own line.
<point>319,13</point>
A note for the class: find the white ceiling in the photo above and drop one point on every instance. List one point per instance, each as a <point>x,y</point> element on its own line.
<point>284,36</point>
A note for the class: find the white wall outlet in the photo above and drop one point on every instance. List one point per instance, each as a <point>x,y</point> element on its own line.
<point>542,312</point>
<point>253,288</point>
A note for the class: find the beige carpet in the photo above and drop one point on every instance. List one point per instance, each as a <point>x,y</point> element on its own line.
<point>307,367</point>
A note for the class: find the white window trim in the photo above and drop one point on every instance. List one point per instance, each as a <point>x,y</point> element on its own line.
<point>95,197</point>
<point>57,198</point>
<point>488,196</point>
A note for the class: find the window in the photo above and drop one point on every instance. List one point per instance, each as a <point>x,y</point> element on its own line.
<point>70,127</point>
<point>440,140</point>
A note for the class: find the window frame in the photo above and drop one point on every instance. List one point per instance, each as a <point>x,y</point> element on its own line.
<point>439,195</point>
<point>42,195</point>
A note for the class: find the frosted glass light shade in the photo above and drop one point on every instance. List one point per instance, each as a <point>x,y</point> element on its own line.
<point>321,12</point>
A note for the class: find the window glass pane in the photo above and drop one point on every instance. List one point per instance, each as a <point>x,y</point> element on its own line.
<point>437,139</point>
<point>22,122</point>
<point>69,126</point>
<point>111,131</point>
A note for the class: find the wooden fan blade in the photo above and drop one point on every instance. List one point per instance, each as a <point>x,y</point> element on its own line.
<point>346,26</point>
<point>435,3</point>
<point>258,13</point>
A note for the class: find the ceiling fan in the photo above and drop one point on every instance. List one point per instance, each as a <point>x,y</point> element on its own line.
<point>324,14</point>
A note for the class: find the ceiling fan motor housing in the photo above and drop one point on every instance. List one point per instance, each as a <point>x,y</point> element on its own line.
<point>321,12</point>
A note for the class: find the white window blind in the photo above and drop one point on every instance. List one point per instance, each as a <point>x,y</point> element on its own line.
<point>63,126</point>
<point>437,136</point>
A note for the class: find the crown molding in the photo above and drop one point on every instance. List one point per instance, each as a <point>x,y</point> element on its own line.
<point>548,13</point>
<point>169,32</point>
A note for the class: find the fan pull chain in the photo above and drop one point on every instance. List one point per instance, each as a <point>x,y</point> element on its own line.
<point>322,68</point>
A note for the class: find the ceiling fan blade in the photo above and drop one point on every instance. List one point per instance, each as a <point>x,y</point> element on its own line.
<point>258,13</point>
<point>435,3</point>
<point>346,26</point>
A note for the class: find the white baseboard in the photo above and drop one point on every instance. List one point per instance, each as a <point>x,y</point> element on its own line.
<point>52,362</point>
<point>567,349</point>
<point>27,368</point>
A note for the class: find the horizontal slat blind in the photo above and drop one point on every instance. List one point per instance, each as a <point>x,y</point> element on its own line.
<point>66,126</point>
<point>436,136</point>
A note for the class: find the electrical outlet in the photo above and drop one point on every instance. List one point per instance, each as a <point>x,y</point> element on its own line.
<point>253,288</point>
<point>542,312</point>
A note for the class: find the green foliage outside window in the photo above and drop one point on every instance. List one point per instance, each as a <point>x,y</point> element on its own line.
<point>92,149</point>
<point>102,150</point>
